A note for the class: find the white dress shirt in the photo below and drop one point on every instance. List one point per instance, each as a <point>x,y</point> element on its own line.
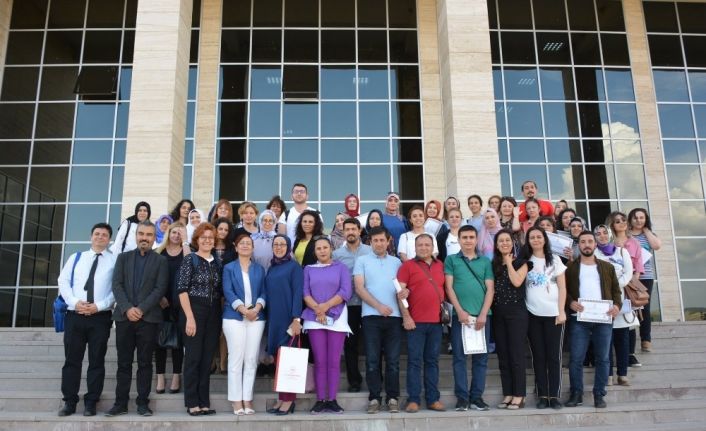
<point>102,281</point>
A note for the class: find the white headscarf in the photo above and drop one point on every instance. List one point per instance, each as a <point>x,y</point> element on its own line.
<point>191,228</point>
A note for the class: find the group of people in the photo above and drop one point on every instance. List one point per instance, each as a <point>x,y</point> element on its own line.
<point>274,276</point>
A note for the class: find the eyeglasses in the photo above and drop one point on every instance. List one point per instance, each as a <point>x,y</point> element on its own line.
<point>298,192</point>
<point>267,221</point>
<point>206,238</point>
<point>279,244</point>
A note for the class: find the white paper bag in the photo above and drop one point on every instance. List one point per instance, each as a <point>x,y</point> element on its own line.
<point>290,374</point>
<point>473,341</point>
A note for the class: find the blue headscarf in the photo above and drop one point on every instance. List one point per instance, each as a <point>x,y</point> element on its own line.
<point>287,256</point>
<point>160,234</point>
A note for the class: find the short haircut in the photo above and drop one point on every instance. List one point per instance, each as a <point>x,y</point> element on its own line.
<point>522,187</point>
<point>424,235</point>
<point>103,225</point>
<point>351,220</point>
<point>468,201</point>
<point>466,228</point>
<point>147,223</point>
<point>587,232</point>
<point>199,231</point>
<point>378,230</point>
<point>300,185</point>
<point>245,205</point>
<point>240,238</point>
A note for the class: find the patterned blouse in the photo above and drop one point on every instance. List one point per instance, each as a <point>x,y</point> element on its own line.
<point>201,280</point>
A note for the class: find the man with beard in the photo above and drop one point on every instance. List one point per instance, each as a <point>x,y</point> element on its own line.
<point>529,190</point>
<point>287,223</point>
<point>139,283</point>
<point>348,253</point>
<point>374,276</point>
<point>590,278</point>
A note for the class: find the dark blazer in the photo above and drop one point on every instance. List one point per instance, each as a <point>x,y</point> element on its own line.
<point>154,286</point>
<point>309,254</point>
<point>610,288</point>
<point>234,289</point>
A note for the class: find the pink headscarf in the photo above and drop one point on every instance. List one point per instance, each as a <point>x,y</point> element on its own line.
<point>486,236</point>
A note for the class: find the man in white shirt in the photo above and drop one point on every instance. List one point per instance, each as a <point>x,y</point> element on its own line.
<point>85,283</point>
<point>287,223</point>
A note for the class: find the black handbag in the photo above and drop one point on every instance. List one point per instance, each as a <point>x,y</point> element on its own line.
<point>168,337</point>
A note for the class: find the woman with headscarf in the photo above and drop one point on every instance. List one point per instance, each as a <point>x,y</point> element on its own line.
<point>196,217</point>
<point>374,220</point>
<point>351,205</point>
<point>181,211</point>
<point>433,224</point>
<point>125,239</point>
<point>486,236</point>
<point>262,240</point>
<point>162,225</point>
<point>337,238</point>
<point>283,287</point>
<point>576,226</point>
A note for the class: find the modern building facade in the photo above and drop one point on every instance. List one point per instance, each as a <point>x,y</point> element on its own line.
<point>104,103</point>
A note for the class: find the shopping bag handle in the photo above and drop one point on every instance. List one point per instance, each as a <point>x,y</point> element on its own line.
<point>299,341</point>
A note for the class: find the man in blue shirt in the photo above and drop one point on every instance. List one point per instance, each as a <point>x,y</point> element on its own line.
<point>392,219</point>
<point>348,253</point>
<point>374,276</point>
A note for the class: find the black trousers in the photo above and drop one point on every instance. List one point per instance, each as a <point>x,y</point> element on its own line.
<point>350,347</point>
<point>131,336</point>
<point>546,339</point>
<point>199,351</point>
<point>160,354</point>
<point>79,331</point>
<point>510,333</point>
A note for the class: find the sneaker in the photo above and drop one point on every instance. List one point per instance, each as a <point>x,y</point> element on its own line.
<point>555,403</point>
<point>479,404</point>
<point>116,411</point>
<point>318,408</point>
<point>599,402</point>
<point>646,346</point>
<point>412,407</point>
<point>543,403</point>
<point>393,406</point>
<point>623,381</point>
<point>145,411</point>
<point>609,382</point>
<point>461,405</point>
<point>437,406</point>
<point>633,361</point>
<point>576,399</point>
<point>333,407</point>
<point>373,407</point>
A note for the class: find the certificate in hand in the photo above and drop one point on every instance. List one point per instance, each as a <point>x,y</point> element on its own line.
<point>559,242</point>
<point>473,341</point>
<point>595,311</point>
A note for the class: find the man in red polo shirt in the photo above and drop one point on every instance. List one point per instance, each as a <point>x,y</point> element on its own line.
<point>529,190</point>
<point>422,282</point>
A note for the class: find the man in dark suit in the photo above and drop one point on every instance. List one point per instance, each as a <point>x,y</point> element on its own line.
<point>139,281</point>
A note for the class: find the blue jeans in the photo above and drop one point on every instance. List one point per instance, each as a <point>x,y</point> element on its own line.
<point>423,344</point>
<point>382,335</point>
<point>583,333</point>
<point>479,364</point>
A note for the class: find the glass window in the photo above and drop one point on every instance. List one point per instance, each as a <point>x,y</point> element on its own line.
<point>560,119</point>
<point>615,49</point>
<point>518,47</point>
<point>235,46</point>
<point>665,50</point>
<point>129,46</point>
<point>549,14</point>
<point>402,13</point>
<point>689,218</point>
<point>691,17</point>
<point>7,296</point>
<point>403,46</point>
<point>566,181</point>
<point>585,48</point>
<point>524,119</point>
<point>124,112</point>
<point>684,182</point>
<point>689,256</point>
<point>627,150</point>
<point>267,13</point>
<point>371,13</point>
<point>236,13</point>
<point>502,150</point>
<point>409,181</point>
<point>515,14</point>
<point>232,119</point>
<point>522,172</point>
<point>17,120</point>
<point>695,50</point>
<point>19,84</point>
<point>589,83</point>
<point>57,83</point>
<point>13,181</point>
<point>697,82</point>
<point>116,187</point>
<point>89,184</point>
<point>303,13</point>
<point>26,47</point>
<point>581,15</point>
<point>338,119</point>
<point>527,151</point>
<point>494,47</point>
<point>102,47</point>
<point>300,82</point>
<point>623,121</point>
<point>126,83</point>
<point>51,152</point>
<point>680,151</point>
<point>404,82</point>
<point>619,84</point>
<point>497,83</point>
<point>338,46</point>
<point>372,82</point>
<point>92,152</point>
<point>692,293</point>
<point>28,14</point>
<point>95,120</point>
<point>675,121</point>
<point>119,152</point>
<point>301,46</point>
<point>337,82</point>
<point>263,151</point>
<point>597,151</point>
<point>266,46</point>
<point>11,216</point>
<point>105,13</point>
<point>594,119</point>
<point>521,83</point>
<point>563,151</point>
<point>500,119</point>
<point>338,151</point>
<point>55,120</point>
<point>602,184</point>
<point>308,175</point>
<point>372,46</point>
<point>374,182</point>
<point>700,119</point>
<point>557,83</point>
<point>80,218</point>
<point>374,151</point>
<point>406,119</point>
<point>610,15</point>
<point>14,153</point>
<point>48,184</point>
<point>261,180</point>
<point>553,48</point>
<point>231,151</point>
<point>300,119</point>
<point>230,182</point>
<point>265,83</point>
<point>631,181</point>
<point>264,119</point>
<point>34,306</point>
<point>234,80</point>
<point>660,17</point>
<point>97,83</point>
<point>340,13</point>
<point>373,119</point>
<point>338,181</point>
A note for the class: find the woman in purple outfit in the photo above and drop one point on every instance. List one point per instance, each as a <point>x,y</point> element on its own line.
<point>327,288</point>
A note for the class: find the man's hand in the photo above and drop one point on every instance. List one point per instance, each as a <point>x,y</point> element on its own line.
<point>575,306</point>
<point>408,323</point>
<point>384,310</point>
<point>134,314</point>
<point>480,321</point>
<point>403,294</point>
<point>164,303</point>
<point>613,311</point>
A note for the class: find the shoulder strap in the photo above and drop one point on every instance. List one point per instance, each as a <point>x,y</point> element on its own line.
<point>482,284</point>
<point>431,279</point>
<point>73,268</point>
<point>127,233</point>
<point>286,215</point>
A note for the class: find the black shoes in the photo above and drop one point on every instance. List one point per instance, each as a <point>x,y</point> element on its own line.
<point>543,403</point>
<point>144,411</point>
<point>285,412</point>
<point>479,405</point>
<point>319,407</point>
<point>555,403</point>
<point>89,410</point>
<point>333,407</point>
<point>116,411</point>
<point>576,399</point>
<point>461,405</point>
<point>67,410</point>
<point>633,361</point>
<point>599,402</point>
<point>354,388</point>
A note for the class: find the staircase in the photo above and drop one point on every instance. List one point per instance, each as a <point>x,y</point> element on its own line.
<point>667,392</point>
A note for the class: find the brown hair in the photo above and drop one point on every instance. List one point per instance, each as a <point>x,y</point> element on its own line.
<point>221,202</point>
<point>200,229</point>
<point>245,205</point>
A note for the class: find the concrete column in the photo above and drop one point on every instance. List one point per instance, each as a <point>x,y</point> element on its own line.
<point>154,161</point>
<point>5,15</point>
<point>669,291</point>
<point>207,103</point>
<point>432,130</point>
<point>468,118</point>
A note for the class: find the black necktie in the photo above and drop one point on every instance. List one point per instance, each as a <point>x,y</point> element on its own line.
<point>90,282</point>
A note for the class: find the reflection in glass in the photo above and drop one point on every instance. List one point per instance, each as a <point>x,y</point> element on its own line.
<point>40,266</point>
<point>403,46</point>
<point>623,121</point>
<point>619,84</point>
<point>631,181</point>
<point>19,84</point>
<point>116,186</point>
<point>407,151</point>
<point>233,81</point>
<point>338,151</point>
<point>29,14</point>
<point>263,151</point>
<point>300,151</point>
<point>675,121</point>
<point>372,82</point>
<point>524,119</point>
<point>337,82</point>
<point>230,151</point>
<point>597,151</point>
<point>402,13</point>
<point>566,181</point>
<point>560,120</point>
<point>308,175</point>
<point>79,220</point>
<point>585,48</point>
<point>303,13</point>
<point>301,46</point>
<point>497,83</point>
<point>371,13</point>
<point>262,180</point>
<point>373,119</point>
<point>14,153</point>
<point>374,151</point>
<point>48,184</point>
<point>527,151</point>
<point>563,151</point>
<point>56,120</point>
<point>231,122</point>
<point>338,119</point>
<point>374,182</point>
<point>17,120</point>
<point>689,218</point>
<point>300,119</point>
<point>235,46</point>
<point>119,152</point>
<point>697,82</point>
<point>680,151</point>
<point>549,14</point>
<point>340,13</point>
<point>700,120</point>
<point>521,83</point>
<point>7,298</point>
<point>92,152</point>
<point>615,49</point>
<point>557,83</point>
<point>230,182</point>
<point>594,119</point>
<point>409,181</point>
<point>57,83</point>
<point>236,13</point>
<point>684,182</point>
<point>518,47</point>
<point>372,46</point>
<point>695,50</point>
<point>11,222</point>
<point>515,14</point>
<point>186,181</point>
<point>338,46</point>
<point>265,82</point>
<point>126,84</point>
<point>94,120</point>
<point>13,182</point>
<point>338,181</point>
<point>267,13</point>
<point>691,256</point>
<point>404,82</point>
<point>553,48</point>
<point>581,15</point>
<point>502,150</point>
<point>62,47</point>
<point>665,50</point>
<point>505,180</point>
<point>627,151</point>
<point>589,83</point>
<point>264,119</point>
<point>500,119</point>
<point>521,173</point>
<point>660,17</point>
<point>9,257</point>
<point>102,47</point>
<point>610,15</point>
<point>104,14</point>
<point>694,299</point>
<point>602,184</point>
<point>26,47</point>
<point>34,307</point>
<point>405,119</point>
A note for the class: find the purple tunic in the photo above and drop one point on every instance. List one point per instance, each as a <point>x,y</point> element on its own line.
<point>323,283</point>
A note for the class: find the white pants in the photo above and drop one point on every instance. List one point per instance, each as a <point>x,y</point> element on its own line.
<point>243,338</point>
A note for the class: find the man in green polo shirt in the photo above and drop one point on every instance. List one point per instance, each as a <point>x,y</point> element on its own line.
<point>470,286</point>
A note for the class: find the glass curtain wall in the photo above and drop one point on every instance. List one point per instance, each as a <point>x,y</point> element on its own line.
<point>191,100</point>
<point>323,93</point>
<point>676,33</point>
<point>565,106</point>
<point>63,122</point>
